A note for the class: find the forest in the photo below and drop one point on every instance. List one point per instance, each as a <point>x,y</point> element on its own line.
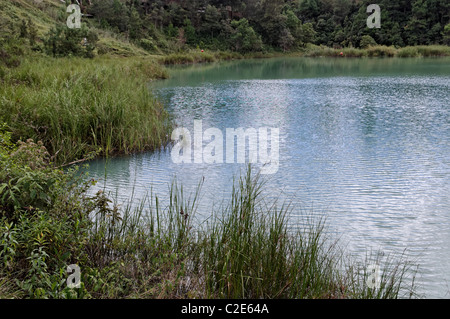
<point>255,25</point>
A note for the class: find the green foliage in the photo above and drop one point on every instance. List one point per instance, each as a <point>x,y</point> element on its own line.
<point>11,53</point>
<point>280,24</point>
<point>446,34</point>
<point>77,106</point>
<point>32,32</point>
<point>148,45</point>
<point>367,41</point>
<point>190,32</point>
<point>145,251</point>
<point>244,38</point>
<point>62,41</point>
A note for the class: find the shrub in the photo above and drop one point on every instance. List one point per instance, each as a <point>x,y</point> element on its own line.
<point>244,38</point>
<point>408,52</point>
<point>62,41</point>
<point>433,50</point>
<point>367,41</point>
<point>148,45</point>
<point>381,51</point>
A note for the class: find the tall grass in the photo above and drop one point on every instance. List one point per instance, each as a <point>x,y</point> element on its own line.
<point>195,56</point>
<point>245,250</point>
<point>77,106</point>
<point>249,252</point>
<point>158,248</point>
<point>379,51</point>
<point>188,58</point>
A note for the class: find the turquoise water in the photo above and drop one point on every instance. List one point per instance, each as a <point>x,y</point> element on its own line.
<point>364,142</point>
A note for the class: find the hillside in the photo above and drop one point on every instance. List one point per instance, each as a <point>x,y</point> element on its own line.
<point>45,14</point>
<point>159,27</point>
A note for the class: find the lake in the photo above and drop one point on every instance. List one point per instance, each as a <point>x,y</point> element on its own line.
<point>364,142</point>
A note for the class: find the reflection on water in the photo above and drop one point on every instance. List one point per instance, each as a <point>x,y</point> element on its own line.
<point>365,142</point>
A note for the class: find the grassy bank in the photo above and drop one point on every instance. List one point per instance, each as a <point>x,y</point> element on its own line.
<point>76,106</point>
<point>196,56</point>
<point>377,51</point>
<point>245,250</point>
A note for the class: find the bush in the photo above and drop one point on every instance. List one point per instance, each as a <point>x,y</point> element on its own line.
<point>446,34</point>
<point>408,52</point>
<point>367,41</point>
<point>381,51</point>
<point>148,45</point>
<point>433,50</point>
<point>11,52</point>
<point>244,38</point>
<point>62,41</point>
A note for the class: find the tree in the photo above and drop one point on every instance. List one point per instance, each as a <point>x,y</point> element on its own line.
<point>367,41</point>
<point>62,41</point>
<point>274,22</point>
<point>111,13</point>
<point>286,40</point>
<point>446,34</point>
<point>211,24</point>
<point>309,9</point>
<point>189,30</point>
<point>308,33</point>
<point>244,38</point>
<point>32,31</point>
<point>135,24</point>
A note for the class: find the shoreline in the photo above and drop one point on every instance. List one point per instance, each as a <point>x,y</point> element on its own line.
<point>195,56</point>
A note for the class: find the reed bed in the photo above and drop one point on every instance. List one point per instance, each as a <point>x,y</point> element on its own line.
<point>77,106</point>
<point>379,51</point>
<point>244,250</point>
<point>148,249</point>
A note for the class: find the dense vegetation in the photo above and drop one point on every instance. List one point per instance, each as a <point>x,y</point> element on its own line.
<point>135,27</point>
<point>57,106</point>
<point>78,106</point>
<point>49,220</point>
<point>251,25</point>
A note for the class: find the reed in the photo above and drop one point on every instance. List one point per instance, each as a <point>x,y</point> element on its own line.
<point>379,51</point>
<point>158,248</point>
<point>245,250</point>
<point>188,58</point>
<point>77,106</point>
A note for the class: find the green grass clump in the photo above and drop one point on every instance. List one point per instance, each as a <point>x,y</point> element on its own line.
<point>188,58</point>
<point>76,106</point>
<point>433,50</point>
<point>408,52</point>
<point>381,51</point>
<point>354,53</point>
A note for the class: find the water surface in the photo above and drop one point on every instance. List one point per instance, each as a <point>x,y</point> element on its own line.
<point>365,142</point>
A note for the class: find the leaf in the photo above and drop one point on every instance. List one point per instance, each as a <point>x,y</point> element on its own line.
<point>66,255</point>
<point>2,187</point>
<point>43,196</point>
